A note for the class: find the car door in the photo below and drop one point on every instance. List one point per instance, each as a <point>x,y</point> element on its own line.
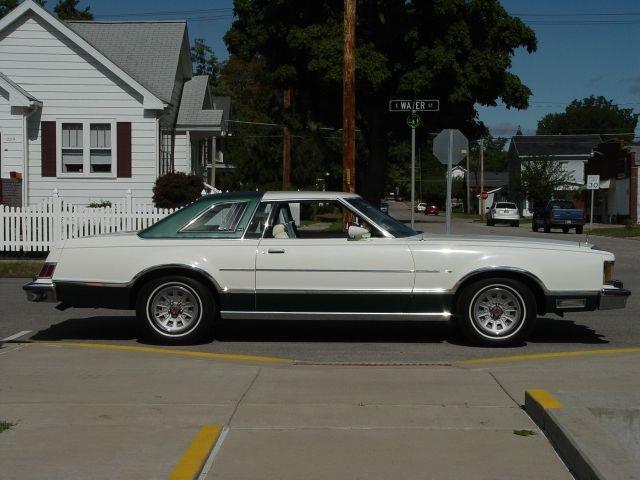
<point>306,263</point>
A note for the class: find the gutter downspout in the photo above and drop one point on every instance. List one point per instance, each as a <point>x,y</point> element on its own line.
<point>33,108</point>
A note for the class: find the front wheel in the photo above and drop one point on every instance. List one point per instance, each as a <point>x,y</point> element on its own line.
<point>496,312</point>
<point>175,309</point>
<point>547,229</point>
<point>579,230</point>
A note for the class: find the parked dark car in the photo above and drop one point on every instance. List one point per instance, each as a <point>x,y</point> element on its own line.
<point>562,214</point>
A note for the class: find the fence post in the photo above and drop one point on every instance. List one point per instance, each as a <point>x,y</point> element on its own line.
<point>56,217</point>
<point>129,212</point>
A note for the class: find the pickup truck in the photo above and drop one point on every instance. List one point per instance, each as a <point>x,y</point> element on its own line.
<point>557,214</point>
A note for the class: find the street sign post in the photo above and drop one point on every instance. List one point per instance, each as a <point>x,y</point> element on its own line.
<point>450,147</point>
<point>413,121</point>
<point>593,184</point>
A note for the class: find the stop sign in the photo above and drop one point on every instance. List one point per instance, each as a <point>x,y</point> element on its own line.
<point>484,195</point>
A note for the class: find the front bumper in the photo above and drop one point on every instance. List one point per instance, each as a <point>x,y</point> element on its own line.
<point>39,291</point>
<point>614,297</point>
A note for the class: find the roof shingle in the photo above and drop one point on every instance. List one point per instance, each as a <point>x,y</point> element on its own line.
<point>148,51</point>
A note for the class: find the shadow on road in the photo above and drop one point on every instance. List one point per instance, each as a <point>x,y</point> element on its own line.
<point>119,328</point>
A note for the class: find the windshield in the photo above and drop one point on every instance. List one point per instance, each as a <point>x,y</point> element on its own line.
<point>384,221</point>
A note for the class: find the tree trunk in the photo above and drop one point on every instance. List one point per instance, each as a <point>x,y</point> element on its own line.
<point>372,177</point>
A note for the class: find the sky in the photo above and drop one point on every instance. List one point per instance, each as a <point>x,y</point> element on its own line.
<point>585,47</point>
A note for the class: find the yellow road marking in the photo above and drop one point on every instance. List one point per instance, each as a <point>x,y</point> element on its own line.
<point>544,398</point>
<point>167,351</point>
<point>543,356</point>
<point>192,461</point>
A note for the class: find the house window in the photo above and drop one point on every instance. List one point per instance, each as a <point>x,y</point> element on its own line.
<point>86,148</point>
<point>100,154</point>
<point>167,144</point>
<point>72,148</point>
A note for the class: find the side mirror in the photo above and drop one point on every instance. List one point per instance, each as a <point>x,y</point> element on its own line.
<point>358,233</point>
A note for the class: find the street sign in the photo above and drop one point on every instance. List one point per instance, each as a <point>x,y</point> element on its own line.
<point>484,195</point>
<point>593,182</point>
<point>414,120</point>
<point>459,146</point>
<point>414,105</point>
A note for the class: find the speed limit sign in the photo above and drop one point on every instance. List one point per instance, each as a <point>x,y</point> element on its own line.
<point>593,182</point>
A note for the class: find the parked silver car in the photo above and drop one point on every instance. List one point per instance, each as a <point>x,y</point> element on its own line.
<point>503,212</point>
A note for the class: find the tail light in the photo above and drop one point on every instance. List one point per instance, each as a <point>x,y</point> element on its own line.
<point>550,214</point>
<point>607,275</point>
<point>47,270</point>
<point>584,215</point>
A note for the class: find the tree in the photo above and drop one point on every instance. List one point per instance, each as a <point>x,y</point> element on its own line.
<point>590,115</point>
<point>541,177</point>
<point>68,10</point>
<point>204,60</point>
<point>7,5</point>
<point>458,51</point>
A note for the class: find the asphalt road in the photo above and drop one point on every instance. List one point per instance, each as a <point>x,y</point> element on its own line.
<point>420,342</point>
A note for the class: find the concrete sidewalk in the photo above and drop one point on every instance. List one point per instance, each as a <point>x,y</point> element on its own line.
<point>93,413</point>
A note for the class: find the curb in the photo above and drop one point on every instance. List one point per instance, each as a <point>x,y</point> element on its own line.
<point>540,405</point>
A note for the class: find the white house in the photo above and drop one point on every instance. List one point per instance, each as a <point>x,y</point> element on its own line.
<point>95,109</point>
<point>572,152</point>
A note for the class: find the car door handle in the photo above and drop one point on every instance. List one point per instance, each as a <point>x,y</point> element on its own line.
<point>276,250</point>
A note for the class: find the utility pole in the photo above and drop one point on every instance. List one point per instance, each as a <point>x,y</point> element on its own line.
<point>286,145</point>
<point>468,179</point>
<point>481,143</point>
<point>348,98</point>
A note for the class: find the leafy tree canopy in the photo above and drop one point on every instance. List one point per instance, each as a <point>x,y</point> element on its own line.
<point>68,10</point>
<point>543,176</point>
<point>459,51</point>
<point>589,115</point>
<point>204,60</point>
<point>7,5</point>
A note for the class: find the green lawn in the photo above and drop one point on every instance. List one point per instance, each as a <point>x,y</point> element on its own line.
<point>616,232</point>
<point>19,268</point>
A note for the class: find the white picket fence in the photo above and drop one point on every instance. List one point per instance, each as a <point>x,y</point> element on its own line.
<point>38,227</point>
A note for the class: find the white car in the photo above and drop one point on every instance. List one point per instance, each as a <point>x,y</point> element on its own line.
<point>420,207</point>
<point>322,255</point>
<point>503,212</point>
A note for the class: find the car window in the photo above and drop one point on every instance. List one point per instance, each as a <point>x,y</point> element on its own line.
<point>313,219</point>
<point>260,221</point>
<point>391,225</point>
<point>561,204</point>
<point>505,205</point>
<point>222,217</point>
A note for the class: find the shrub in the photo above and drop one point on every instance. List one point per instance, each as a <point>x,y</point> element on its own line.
<point>100,204</point>
<point>174,190</point>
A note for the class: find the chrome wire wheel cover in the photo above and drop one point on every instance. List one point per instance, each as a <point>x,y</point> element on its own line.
<point>174,309</point>
<point>497,311</point>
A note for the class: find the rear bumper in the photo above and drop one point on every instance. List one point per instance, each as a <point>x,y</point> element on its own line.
<point>556,222</point>
<point>38,291</point>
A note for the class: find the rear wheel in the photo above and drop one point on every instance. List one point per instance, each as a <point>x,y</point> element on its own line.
<point>496,311</point>
<point>515,224</point>
<point>534,226</point>
<point>547,228</point>
<point>565,229</point>
<point>175,309</point>
<point>579,229</point>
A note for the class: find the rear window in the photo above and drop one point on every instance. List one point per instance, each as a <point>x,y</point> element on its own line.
<point>505,205</point>
<point>562,204</point>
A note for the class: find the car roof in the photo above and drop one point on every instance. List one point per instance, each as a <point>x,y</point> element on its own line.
<point>306,195</point>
